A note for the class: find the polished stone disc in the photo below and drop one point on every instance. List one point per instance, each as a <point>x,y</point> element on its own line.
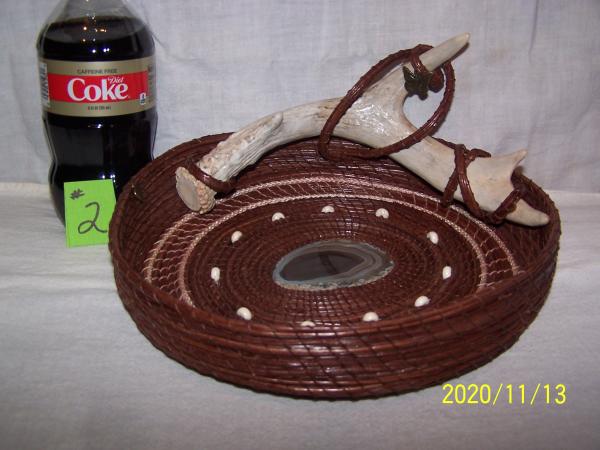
<point>331,264</point>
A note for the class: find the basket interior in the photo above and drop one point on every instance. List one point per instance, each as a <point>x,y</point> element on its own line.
<point>176,250</point>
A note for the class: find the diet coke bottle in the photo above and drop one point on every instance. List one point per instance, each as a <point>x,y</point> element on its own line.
<point>97,74</point>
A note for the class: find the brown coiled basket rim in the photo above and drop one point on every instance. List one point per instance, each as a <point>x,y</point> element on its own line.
<point>152,296</point>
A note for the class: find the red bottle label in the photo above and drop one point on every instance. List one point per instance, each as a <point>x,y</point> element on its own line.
<point>106,88</point>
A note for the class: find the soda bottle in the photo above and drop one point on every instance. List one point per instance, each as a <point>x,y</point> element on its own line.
<point>97,75</point>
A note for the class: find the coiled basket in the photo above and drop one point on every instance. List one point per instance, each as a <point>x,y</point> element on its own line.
<point>315,343</point>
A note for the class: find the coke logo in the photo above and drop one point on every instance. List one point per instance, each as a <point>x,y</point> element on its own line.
<point>109,89</point>
<point>93,89</point>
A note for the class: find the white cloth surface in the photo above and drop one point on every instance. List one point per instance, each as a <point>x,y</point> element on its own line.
<point>529,78</point>
<point>75,373</point>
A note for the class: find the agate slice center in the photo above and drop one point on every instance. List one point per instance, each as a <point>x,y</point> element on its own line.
<point>331,264</point>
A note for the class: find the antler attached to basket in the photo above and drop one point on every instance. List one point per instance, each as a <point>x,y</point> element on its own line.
<point>376,119</point>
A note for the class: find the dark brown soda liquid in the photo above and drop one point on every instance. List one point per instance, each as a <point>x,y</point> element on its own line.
<point>89,148</point>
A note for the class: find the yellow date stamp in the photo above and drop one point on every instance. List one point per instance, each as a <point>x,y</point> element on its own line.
<point>511,394</point>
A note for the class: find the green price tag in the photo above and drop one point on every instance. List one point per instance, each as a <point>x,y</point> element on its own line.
<point>89,206</point>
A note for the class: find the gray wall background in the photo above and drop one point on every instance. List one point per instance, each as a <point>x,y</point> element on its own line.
<point>530,78</point>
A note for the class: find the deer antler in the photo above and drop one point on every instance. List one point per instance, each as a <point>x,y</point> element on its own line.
<point>376,119</point>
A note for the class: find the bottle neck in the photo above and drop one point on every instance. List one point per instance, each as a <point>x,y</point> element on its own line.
<point>74,9</point>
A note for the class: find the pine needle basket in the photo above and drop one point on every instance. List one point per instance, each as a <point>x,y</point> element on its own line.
<point>163,256</point>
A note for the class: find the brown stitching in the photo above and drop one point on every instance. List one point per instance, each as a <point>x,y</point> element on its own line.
<point>222,187</point>
<point>507,206</point>
<point>418,82</point>
<point>361,86</point>
<point>462,158</point>
<point>425,79</point>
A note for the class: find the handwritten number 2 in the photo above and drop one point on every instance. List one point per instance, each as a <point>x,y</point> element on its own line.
<point>87,225</point>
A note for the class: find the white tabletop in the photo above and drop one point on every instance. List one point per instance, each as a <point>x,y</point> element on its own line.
<point>76,373</point>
